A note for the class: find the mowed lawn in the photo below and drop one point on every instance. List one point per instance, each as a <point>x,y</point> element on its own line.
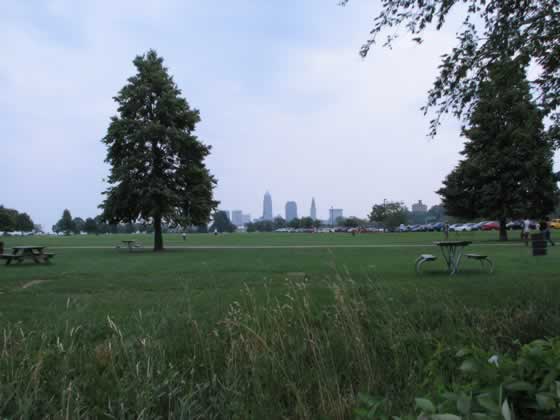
<point>206,273</point>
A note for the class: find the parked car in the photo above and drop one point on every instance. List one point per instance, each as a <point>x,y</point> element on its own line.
<point>454,226</point>
<point>491,226</point>
<point>438,226</point>
<point>515,225</point>
<point>555,223</point>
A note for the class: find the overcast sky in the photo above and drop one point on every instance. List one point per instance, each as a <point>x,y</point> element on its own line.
<point>286,102</point>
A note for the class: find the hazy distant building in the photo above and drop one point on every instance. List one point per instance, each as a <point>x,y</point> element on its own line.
<point>419,207</point>
<point>291,210</point>
<point>237,217</point>
<point>334,215</point>
<point>246,218</point>
<point>313,211</point>
<point>267,206</point>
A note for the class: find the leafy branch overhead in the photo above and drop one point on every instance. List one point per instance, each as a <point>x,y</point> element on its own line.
<point>528,31</point>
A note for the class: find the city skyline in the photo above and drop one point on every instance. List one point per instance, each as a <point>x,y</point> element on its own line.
<point>330,217</point>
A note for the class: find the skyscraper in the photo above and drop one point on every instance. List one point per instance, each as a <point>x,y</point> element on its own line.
<point>335,214</point>
<point>291,210</point>
<point>313,211</point>
<point>267,207</point>
<point>237,217</point>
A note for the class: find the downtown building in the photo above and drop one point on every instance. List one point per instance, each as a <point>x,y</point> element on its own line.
<point>267,207</point>
<point>334,215</point>
<point>313,210</point>
<point>291,211</point>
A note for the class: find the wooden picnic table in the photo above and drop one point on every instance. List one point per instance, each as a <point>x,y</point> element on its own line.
<point>131,244</point>
<point>452,252</point>
<point>20,253</point>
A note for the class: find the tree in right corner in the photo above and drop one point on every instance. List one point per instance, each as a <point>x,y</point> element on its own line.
<point>507,169</point>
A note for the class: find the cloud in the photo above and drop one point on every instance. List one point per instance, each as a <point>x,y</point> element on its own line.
<point>286,102</point>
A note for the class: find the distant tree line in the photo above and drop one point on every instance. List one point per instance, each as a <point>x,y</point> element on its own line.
<point>98,226</point>
<point>11,220</point>
<point>392,214</point>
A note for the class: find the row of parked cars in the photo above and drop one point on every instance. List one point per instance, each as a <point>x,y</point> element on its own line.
<point>465,227</point>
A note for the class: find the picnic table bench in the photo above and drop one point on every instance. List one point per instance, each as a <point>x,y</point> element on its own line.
<point>20,253</point>
<point>482,259</point>
<point>452,252</point>
<point>130,245</point>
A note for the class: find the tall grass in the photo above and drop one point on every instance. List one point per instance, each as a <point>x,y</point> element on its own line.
<point>268,357</point>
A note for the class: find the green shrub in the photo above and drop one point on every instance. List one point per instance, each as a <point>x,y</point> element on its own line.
<point>487,386</point>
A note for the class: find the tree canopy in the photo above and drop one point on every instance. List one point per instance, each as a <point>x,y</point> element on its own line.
<point>222,223</point>
<point>507,169</point>
<point>528,30</point>
<point>158,172</point>
<point>65,224</point>
<point>390,214</point>
<point>12,220</point>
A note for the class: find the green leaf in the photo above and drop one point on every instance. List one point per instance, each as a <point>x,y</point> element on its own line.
<point>464,404</point>
<point>463,353</point>
<point>520,386</point>
<point>451,396</point>
<point>549,378</point>
<point>469,366</point>
<point>545,401</point>
<point>425,405</point>
<point>445,417</point>
<point>481,416</point>
<point>489,404</point>
<point>506,411</point>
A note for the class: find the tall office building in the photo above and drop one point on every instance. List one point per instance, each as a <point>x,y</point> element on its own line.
<point>419,207</point>
<point>267,207</point>
<point>291,210</point>
<point>313,211</point>
<point>246,218</point>
<point>237,217</point>
<point>335,214</point>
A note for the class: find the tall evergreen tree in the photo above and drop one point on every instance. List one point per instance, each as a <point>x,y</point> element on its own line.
<point>65,224</point>
<point>507,170</point>
<point>157,163</point>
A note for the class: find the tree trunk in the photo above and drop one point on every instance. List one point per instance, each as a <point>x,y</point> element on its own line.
<point>503,230</point>
<point>158,237</point>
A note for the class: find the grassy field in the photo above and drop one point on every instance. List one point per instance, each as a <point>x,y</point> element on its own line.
<point>253,325</point>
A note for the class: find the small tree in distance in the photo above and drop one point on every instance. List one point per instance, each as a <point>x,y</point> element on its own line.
<point>222,223</point>
<point>65,224</point>
<point>390,214</point>
<point>90,226</point>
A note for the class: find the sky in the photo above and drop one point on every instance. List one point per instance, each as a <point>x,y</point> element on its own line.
<point>286,102</point>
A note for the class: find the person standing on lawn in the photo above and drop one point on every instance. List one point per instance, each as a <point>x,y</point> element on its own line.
<point>526,231</point>
<point>545,229</point>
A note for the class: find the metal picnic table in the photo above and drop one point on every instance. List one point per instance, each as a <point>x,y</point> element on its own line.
<point>452,252</point>
<point>36,253</point>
